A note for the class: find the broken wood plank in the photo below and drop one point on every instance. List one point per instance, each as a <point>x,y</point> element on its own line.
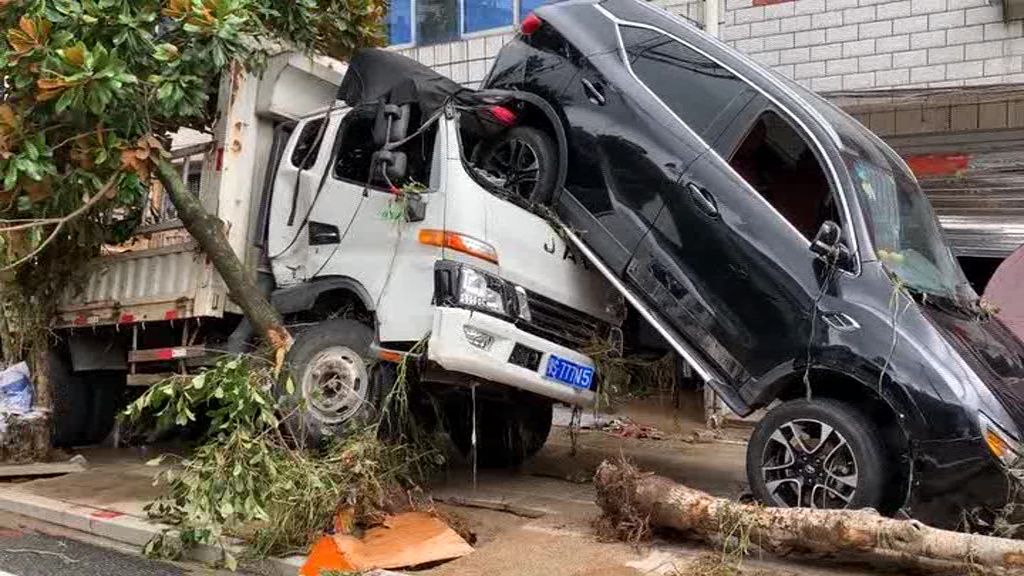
<point>40,469</point>
<point>506,507</point>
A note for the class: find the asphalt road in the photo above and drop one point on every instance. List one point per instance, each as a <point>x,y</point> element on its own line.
<point>30,548</point>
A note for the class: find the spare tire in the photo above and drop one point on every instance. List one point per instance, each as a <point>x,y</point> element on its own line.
<point>526,158</point>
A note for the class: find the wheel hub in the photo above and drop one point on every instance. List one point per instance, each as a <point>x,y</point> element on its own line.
<point>518,164</point>
<point>808,463</point>
<point>334,384</point>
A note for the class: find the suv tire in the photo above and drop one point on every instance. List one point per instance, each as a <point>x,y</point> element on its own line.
<point>817,453</point>
<point>508,433</point>
<point>523,155</point>
<point>331,381</point>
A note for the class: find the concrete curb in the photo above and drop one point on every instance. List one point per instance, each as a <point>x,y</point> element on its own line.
<point>125,528</point>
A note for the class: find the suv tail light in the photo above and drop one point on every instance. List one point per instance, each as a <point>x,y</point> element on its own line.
<point>530,24</point>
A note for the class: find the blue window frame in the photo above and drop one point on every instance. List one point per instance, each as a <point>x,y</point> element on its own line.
<point>480,15</point>
<point>425,22</point>
<point>400,22</point>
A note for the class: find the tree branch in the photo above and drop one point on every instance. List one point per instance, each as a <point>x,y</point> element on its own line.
<point>60,223</point>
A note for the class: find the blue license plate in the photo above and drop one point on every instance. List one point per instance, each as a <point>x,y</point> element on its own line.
<point>571,373</point>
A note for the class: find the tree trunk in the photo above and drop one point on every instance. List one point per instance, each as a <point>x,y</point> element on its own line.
<point>627,497</point>
<point>208,231</point>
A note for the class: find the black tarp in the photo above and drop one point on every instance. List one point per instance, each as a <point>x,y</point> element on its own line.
<point>376,75</point>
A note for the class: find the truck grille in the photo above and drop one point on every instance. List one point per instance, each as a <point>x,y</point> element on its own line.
<point>562,324</point>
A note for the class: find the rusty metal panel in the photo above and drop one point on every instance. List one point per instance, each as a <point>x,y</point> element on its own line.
<point>150,285</point>
<point>978,195</point>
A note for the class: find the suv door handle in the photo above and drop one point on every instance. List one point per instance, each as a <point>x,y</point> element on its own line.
<point>594,93</point>
<point>705,201</point>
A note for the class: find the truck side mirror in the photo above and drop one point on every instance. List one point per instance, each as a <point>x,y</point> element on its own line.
<point>387,165</point>
<point>391,123</point>
<point>828,244</point>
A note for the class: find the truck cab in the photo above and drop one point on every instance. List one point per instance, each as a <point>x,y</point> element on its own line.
<point>380,243</point>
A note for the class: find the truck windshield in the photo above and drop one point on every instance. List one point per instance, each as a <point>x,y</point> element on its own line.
<point>905,231</point>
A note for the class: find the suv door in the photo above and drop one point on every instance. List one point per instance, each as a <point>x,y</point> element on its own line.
<point>721,262</point>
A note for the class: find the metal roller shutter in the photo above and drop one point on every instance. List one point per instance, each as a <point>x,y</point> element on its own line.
<point>975,181</point>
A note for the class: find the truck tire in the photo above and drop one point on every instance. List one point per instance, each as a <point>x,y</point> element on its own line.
<point>527,159</point>
<point>72,403</point>
<point>331,381</point>
<point>508,433</point>
<point>107,391</point>
<point>817,454</point>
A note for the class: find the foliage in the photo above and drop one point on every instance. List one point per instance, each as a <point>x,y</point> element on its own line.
<point>245,480</point>
<point>93,88</point>
<point>622,377</point>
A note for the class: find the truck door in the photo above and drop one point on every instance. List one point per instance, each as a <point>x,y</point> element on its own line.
<point>731,254</point>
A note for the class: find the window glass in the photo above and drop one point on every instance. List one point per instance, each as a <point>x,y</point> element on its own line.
<point>355,154</point>
<point>694,87</point>
<point>777,162</point>
<point>436,21</point>
<point>306,149</point>
<point>399,22</point>
<point>527,6</point>
<point>482,15</point>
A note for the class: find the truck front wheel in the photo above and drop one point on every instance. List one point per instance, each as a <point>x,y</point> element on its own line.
<point>507,432</point>
<point>331,381</point>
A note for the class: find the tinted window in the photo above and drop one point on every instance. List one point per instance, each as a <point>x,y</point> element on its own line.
<point>694,87</point>
<point>777,162</point>
<point>308,146</point>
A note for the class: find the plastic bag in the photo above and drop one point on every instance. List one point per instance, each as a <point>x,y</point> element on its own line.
<point>15,390</point>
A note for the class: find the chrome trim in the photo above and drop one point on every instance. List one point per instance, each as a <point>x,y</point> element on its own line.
<point>683,349</point>
<point>840,321</point>
<point>836,180</point>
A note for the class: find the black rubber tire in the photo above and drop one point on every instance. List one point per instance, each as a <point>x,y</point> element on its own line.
<point>873,471</point>
<point>508,433</point>
<point>547,158</point>
<point>71,402</point>
<point>107,390</point>
<point>305,429</point>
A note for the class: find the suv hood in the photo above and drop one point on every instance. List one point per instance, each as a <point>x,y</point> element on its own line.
<point>994,353</point>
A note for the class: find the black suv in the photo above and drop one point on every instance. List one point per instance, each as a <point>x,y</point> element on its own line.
<point>786,252</point>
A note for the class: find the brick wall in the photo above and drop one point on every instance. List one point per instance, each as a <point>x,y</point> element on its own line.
<point>851,45</point>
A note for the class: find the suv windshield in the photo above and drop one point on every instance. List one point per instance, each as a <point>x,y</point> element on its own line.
<point>905,232</point>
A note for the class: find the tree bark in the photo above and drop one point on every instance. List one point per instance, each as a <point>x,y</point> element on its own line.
<point>626,496</point>
<point>208,231</point>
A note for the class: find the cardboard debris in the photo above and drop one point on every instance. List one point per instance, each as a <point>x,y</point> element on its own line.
<point>403,541</point>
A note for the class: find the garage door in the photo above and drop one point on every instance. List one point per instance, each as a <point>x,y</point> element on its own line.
<point>976,183</point>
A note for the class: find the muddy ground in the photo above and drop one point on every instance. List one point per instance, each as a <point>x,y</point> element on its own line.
<point>554,490</point>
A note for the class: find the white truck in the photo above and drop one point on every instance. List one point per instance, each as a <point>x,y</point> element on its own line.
<point>484,293</point>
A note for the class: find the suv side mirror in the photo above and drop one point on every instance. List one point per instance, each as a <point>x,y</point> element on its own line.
<point>828,244</point>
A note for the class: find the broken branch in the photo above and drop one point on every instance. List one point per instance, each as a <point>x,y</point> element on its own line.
<point>625,494</point>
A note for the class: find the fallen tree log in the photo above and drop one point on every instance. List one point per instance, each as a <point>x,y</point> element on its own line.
<point>635,502</point>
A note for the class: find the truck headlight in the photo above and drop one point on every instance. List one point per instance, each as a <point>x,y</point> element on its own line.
<point>1000,442</point>
<point>477,290</point>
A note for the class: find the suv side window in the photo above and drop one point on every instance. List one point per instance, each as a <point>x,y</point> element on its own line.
<point>777,162</point>
<point>308,145</point>
<point>696,88</point>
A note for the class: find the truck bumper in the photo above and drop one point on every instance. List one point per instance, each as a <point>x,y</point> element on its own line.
<point>450,347</point>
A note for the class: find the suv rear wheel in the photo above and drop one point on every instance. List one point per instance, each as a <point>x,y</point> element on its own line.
<point>817,454</point>
<point>507,432</point>
<point>526,158</point>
